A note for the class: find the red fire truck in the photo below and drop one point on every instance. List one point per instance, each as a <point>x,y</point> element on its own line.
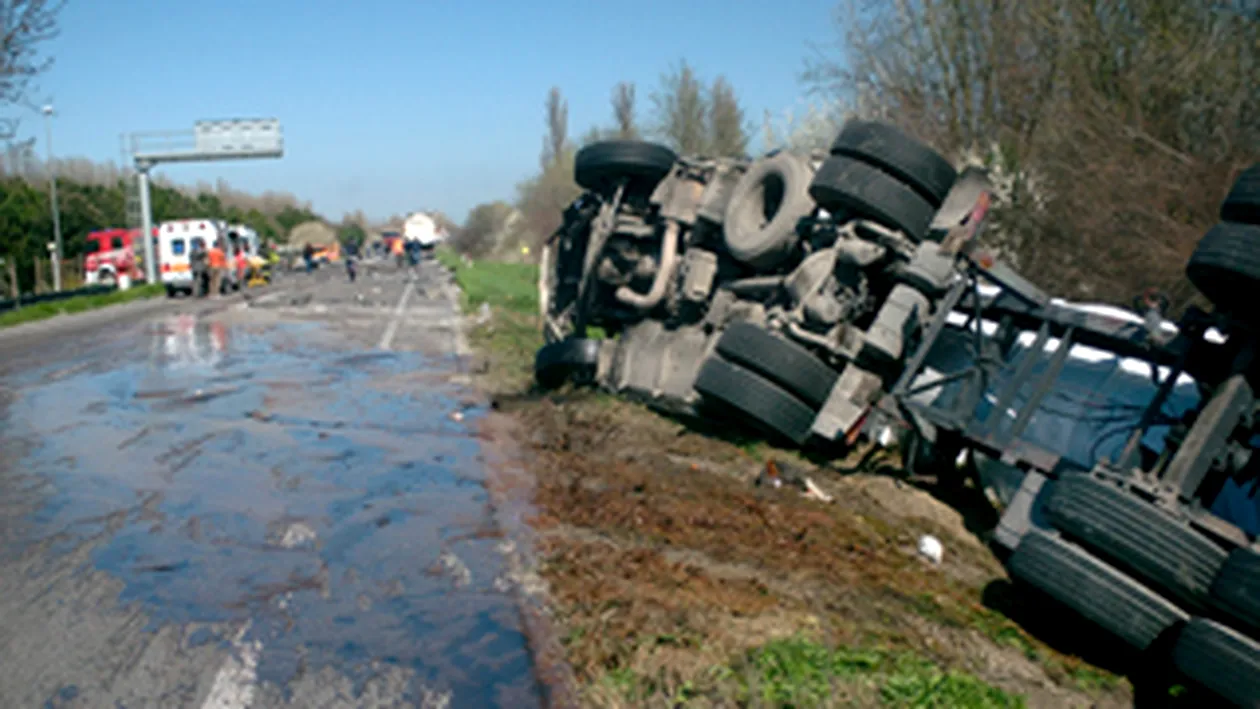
<point>113,253</point>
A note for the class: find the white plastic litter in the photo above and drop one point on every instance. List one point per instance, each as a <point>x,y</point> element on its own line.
<point>812,490</point>
<point>931,549</point>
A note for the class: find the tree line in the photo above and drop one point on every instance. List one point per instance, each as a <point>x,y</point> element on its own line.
<point>26,213</point>
<point>687,113</point>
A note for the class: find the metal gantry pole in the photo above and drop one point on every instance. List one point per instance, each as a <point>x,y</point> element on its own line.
<point>56,211</point>
<point>146,224</point>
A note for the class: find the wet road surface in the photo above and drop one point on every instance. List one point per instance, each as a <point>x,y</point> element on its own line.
<point>275,504</point>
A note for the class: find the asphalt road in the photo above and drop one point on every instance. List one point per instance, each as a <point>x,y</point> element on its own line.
<point>262,503</point>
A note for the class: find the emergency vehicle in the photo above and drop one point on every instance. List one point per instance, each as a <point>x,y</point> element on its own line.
<point>175,243</point>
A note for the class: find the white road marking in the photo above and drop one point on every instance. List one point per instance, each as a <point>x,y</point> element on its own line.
<point>236,681</point>
<point>396,320</point>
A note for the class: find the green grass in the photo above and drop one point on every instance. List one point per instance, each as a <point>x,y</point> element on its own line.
<point>510,286</point>
<point>43,311</point>
<point>800,672</point>
<point>797,672</point>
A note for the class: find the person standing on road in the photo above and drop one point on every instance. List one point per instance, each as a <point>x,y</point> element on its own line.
<point>396,247</point>
<point>308,255</point>
<point>218,267</point>
<point>197,262</point>
<point>350,252</point>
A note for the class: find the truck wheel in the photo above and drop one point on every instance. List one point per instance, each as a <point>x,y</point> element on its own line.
<point>1243,202</point>
<point>170,291</point>
<point>764,209</point>
<point>1236,590</point>
<point>763,403</point>
<point>1136,536</point>
<point>784,363</point>
<point>1221,659</point>
<point>1225,266</point>
<point>600,166</point>
<point>898,154</point>
<point>573,359</point>
<point>845,184</point>
<point>1093,589</point>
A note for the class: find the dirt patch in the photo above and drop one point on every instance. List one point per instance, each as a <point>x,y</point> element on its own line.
<point>670,577</point>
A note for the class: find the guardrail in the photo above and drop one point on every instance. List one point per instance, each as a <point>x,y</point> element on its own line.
<point>29,299</point>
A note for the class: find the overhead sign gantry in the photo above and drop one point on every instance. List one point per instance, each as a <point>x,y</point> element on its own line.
<point>230,139</point>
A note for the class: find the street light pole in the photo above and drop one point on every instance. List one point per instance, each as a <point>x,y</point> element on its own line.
<point>56,212</point>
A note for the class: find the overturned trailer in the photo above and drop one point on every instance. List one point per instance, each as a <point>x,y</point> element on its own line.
<point>1156,543</point>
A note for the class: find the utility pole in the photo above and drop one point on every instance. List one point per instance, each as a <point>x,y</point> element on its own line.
<point>56,212</point>
<point>146,222</point>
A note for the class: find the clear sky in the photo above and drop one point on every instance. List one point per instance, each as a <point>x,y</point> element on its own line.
<point>393,105</point>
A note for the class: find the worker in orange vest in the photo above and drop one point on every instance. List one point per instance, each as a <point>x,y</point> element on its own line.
<point>396,248</point>
<point>218,268</point>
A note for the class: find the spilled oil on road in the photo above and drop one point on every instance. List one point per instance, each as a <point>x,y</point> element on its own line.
<point>301,509</point>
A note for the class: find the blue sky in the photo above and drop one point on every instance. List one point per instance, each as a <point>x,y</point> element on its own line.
<point>393,106</point>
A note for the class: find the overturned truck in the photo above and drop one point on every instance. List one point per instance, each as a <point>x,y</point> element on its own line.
<point>808,295</point>
<point>786,290</point>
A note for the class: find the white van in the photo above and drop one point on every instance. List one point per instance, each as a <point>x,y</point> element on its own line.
<point>175,243</point>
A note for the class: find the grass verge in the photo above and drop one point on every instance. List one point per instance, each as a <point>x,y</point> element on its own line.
<point>43,311</point>
<point>674,581</point>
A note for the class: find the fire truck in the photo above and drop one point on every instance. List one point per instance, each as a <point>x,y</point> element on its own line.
<point>113,253</point>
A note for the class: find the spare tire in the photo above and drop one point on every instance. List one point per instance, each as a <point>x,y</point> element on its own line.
<point>764,209</point>
<point>1243,202</point>
<point>898,154</point>
<point>601,166</point>
<point>849,184</point>
<point>1225,266</point>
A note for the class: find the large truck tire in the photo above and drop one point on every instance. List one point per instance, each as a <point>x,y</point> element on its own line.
<point>601,166</point>
<point>784,363</point>
<point>1221,659</point>
<point>1094,589</point>
<point>1159,550</point>
<point>757,399</point>
<point>1243,202</point>
<point>847,184</point>
<point>1236,590</point>
<point>1225,267</point>
<point>898,154</point>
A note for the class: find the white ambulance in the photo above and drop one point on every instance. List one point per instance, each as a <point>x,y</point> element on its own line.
<point>176,240</point>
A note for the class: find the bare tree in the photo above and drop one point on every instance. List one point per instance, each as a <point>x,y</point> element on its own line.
<point>556,140</point>
<point>542,199</point>
<point>728,135</point>
<point>623,111</point>
<point>682,110</point>
<point>25,25</point>
<point>1115,130</point>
